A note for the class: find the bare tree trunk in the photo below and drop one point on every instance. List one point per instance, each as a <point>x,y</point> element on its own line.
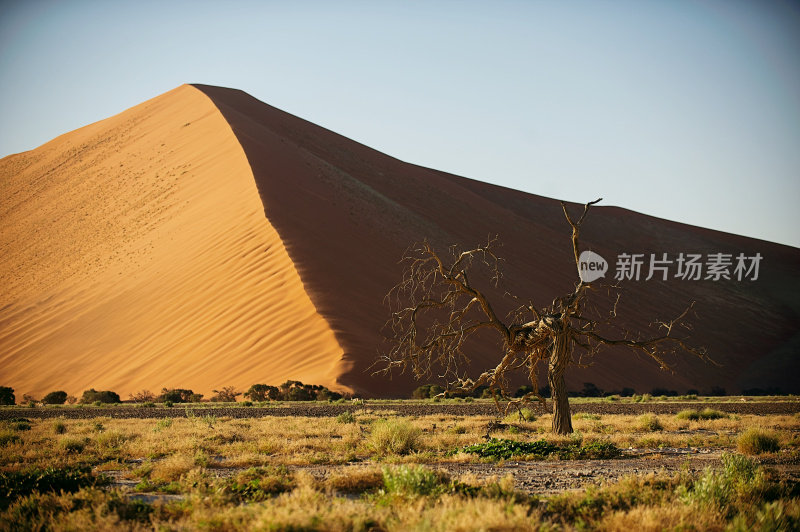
<point>559,359</point>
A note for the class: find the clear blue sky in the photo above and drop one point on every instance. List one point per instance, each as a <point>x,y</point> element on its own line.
<point>687,110</point>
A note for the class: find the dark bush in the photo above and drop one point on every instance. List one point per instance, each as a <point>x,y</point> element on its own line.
<point>262,392</point>
<point>299,393</point>
<point>427,391</point>
<point>20,483</point>
<point>92,396</point>
<point>718,391</point>
<point>227,394</point>
<point>523,390</point>
<point>291,391</point>
<point>762,391</point>
<point>145,396</point>
<point>55,398</point>
<point>328,395</point>
<point>591,390</point>
<point>658,392</point>
<point>178,395</point>
<point>7,396</point>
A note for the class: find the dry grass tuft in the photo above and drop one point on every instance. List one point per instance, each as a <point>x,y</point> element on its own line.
<point>355,480</point>
<point>171,468</point>
<point>757,441</point>
<point>391,436</point>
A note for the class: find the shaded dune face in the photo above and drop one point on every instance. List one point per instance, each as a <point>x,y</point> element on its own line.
<point>347,213</point>
<point>134,254</point>
<point>205,239</point>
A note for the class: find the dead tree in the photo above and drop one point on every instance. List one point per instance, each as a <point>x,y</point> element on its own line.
<point>436,310</point>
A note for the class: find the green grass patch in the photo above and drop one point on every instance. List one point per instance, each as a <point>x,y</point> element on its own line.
<point>504,449</point>
<point>696,415</point>
<point>413,481</point>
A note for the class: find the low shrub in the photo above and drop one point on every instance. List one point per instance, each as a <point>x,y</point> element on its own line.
<point>59,427</point>
<point>427,391</point>
<point>259,483</point>
<point>346,417</point>
<point>262,392</point>
<point>8,438</point>
<point>178,395</point>
<point>19,423</point>
<point>523,414</point>
<point>394,437</point>
<point>72,445</point>
<point>739,479</point>
<point>506,449</point>
<point>227,394</point>
<point>757,441</point>
<point>163,424</point>
<point>649,423</point>
<point>7,396</point>
<point>144,396</point>
<point>55,398</point>
<point>92,396</point>
<point>20,483</point>
<point>356,481</point>
<point>111,440</point>
<point>413,480</point>
<point>696,415</point>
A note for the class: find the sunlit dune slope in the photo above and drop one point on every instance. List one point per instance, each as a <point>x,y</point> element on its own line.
<point>135,254</point>
<point>346,214</point>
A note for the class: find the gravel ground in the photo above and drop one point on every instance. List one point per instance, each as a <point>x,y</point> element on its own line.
<point>405,409</point>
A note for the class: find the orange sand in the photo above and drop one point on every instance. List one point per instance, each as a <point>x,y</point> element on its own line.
<point>135,254</point>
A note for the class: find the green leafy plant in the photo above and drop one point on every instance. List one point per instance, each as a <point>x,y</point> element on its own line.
<point>506,449</point>
<point>410,480</point>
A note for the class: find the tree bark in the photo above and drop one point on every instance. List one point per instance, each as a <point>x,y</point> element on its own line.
<point>559,360</point>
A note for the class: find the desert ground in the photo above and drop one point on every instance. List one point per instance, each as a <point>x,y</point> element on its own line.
<point>399,465</point>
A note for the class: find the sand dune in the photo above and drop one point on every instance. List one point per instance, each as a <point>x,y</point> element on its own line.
<point>205,239</point>
<point>135,254</point>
